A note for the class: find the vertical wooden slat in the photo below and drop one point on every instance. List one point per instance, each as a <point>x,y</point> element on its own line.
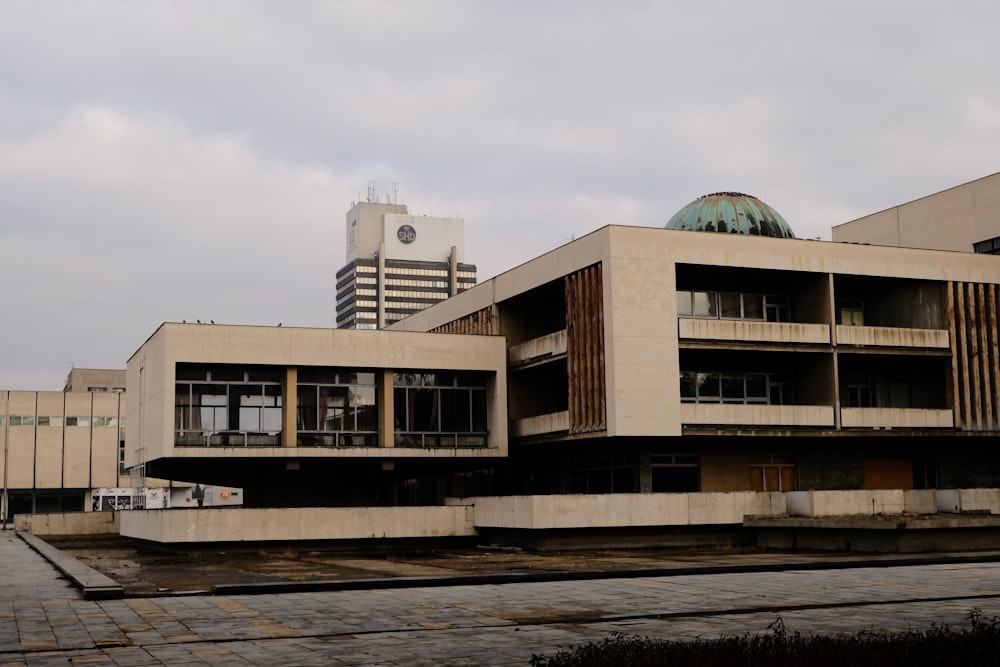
<point>962,359</point>
<point>984,356</point>
<point>571,344</point>
<point>976,398</point>
<point>602,408</point>
<point>585,350</point>
<point>954,400</point>
<point>992,329</point>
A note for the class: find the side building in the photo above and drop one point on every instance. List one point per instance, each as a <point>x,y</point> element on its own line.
<point>59,446</point>
<point>318,417</point>
<point>398,264</point>
<point>965,218</point>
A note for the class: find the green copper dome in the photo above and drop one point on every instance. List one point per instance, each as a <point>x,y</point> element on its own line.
<point>732,213</point>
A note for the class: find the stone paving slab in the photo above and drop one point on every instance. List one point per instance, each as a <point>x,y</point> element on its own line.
<point>44,621</point>
<point>486,625</point>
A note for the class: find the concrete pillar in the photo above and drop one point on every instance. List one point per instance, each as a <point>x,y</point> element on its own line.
<point>289,407</point>
<point>386,409</point>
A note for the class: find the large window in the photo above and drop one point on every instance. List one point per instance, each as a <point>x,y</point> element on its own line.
<point>615,474</point>
<point>227,405</point>
<point>336,408</point>
<point>440,409</point>
<point>676,473</point>
<point>721,387</point>
<point>772,472</point>
<point>732,306</point>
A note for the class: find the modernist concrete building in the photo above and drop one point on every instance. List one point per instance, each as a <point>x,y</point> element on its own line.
<point>648,360</point>
<point>302,417</point>
<point>965,218</point>
<point>634,378</point>
<point>398,264</point>
<point>60,445</point>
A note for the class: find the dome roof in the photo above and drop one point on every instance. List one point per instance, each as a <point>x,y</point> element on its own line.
<point>731,212</point>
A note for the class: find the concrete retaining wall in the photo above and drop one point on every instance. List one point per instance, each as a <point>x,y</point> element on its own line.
<point>287,524</point>
<point>69,523</point>
<point>624,509</point>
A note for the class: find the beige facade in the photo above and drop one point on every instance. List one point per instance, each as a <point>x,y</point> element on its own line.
<point>236,405</point>
<point>96,380</point>
<point>955,219</point>
<point>57,446</point>
<point>867,345</point>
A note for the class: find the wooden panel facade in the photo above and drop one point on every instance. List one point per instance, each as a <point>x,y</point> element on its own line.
<point>585,350</point>
<point>975,372</point>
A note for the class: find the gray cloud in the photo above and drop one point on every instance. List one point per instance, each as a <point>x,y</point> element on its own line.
<point>179,160</point>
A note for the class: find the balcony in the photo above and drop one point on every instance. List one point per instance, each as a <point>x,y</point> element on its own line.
<point>756,415</point>
<point>550,345</point>
<point>555,422</point>
<point>887,418</point>
<point>865,336</point>
<point>755,331</point>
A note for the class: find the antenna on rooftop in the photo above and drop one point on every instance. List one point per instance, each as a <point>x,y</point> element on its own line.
<point>372,192</point>
<point>393,195</point>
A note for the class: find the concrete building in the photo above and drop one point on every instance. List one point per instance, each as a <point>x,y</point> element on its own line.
<point>327,417</point>
<point>634,379</point>
<point>965,218</point>
<point>398,264</point>
<point>668,360</point>
<point>60,445</point>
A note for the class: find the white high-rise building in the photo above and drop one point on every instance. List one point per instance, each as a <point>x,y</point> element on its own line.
<point>398,264</point>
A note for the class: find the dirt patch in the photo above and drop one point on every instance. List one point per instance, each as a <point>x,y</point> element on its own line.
<point>143,570</point>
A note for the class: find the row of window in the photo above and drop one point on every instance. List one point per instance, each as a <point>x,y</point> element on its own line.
<point>717,387</point>
<point>333,407</point>
<point>673,473</point>
<point>733,306</point>
<point>31,420</point>
<point>409,282</point>
<point>392,270</point>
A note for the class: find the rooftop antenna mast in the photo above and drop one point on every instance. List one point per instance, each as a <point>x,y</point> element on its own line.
<point>372,193</point>
<point>393,195</point>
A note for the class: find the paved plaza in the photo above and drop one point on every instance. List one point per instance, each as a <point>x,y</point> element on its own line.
<point>45,621</point>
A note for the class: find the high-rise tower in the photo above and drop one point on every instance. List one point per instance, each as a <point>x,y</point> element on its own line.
<point>398,264</point>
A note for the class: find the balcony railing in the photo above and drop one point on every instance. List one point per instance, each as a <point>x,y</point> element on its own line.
<point>756,414</point>
<point>424,440</point>
<point>337,439</point>
<point>750,330</point>
<point>891,336</point>
<point>885,418</point>
<point>226,439</point>
<point>554,422</point>
<point>550,345</point>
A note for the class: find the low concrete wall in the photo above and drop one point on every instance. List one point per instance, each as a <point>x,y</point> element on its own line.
<point>979,501</point>
<point>288,524</point>
<point>69,523</point>
<point>624,510</point>
<point>872,503</point>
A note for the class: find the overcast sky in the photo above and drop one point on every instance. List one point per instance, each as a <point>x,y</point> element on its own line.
<point>162,161</point>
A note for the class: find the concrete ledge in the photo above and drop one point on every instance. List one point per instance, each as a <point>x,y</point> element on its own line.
<point>885,534</point>
<point>93,584</point>
<point>896,522</point>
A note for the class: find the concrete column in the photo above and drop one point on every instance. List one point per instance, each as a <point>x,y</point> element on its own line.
<point>453,271</point>
<point>386,409</point>
<point>380,287</point>
<point>289,407</point>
